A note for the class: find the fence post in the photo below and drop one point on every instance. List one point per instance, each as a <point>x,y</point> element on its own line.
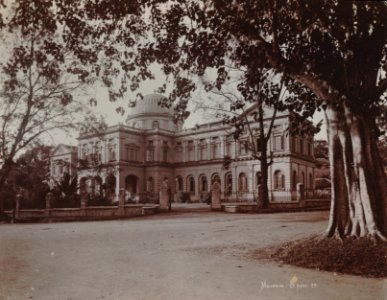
<point>17,206</point>
<point>121,202</point>
<point>301,194</point>
<point>49,198</point>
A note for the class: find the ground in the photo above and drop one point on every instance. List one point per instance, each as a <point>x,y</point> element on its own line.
<point>178,255</point>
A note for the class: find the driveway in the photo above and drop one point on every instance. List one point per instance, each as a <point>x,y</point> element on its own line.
<point>186,254</point>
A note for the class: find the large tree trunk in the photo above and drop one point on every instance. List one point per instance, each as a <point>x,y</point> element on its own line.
<point>358,205</point>
<point>264,191</point>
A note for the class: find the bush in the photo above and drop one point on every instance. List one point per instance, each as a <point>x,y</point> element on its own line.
<point>183,197</point>
<point>205,197</point>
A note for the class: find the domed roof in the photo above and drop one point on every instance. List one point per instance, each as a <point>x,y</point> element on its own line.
<point>149,105</point>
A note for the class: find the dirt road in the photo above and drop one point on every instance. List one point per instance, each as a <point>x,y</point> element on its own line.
<point>182,255</point>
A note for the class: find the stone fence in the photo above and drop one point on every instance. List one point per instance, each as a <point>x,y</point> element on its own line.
<point>50,214</point>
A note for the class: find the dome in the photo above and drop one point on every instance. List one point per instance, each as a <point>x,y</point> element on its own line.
<point>149,115</point>
<point>149,105</point>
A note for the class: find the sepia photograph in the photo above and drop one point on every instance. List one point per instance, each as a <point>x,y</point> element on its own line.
<point>193,149</point>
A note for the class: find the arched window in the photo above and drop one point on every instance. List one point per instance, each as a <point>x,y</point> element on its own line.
<point>215,177</point>
<point>203,183</point>
<point>279,180</point>
<point>191,184</point>
<point>294,179</point>
<point>242,183</point>
<point>179,183</point>
<point>97,186</point>
<point>228,183</point>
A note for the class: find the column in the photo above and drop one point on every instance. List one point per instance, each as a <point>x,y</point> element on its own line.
<point>118,148</point>
<point>118,185</point>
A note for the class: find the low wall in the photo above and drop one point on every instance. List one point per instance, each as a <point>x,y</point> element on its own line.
<point>248,207</point>
<point>79,214</point>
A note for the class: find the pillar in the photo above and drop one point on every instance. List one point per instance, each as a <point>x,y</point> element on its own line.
<point>17,206</point>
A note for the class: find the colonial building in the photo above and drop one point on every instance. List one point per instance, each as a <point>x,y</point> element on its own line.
<point>150,148</point>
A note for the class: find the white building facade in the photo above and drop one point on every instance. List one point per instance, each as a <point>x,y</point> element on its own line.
<point>138,156</point>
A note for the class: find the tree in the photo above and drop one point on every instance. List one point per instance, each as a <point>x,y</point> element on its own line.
<point>262,93</point>
<point>36,99</point>
<point>32,171</point>
<point>333,49</point>
<point>65,192</point>
<point>47,60</point>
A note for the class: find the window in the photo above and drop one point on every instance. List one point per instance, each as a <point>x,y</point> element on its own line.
<point>203,183</point>
<point>294,179</point>
<point>150,187</point>
<point>301,146</point>
<point>242,183</point>
<point>191,151</point>
<point>228,183</point>
<point>131,152</point>
<point>243,147</point>
<point>202,152</point>
<point>179,183</point>
<point>60,166</point>
<point>215,150</point>
<point>178,155</point>
<point>155,124</point>
<point>150,152</point>
<point>279,180</point>
<point>229,148</point>
<point>278,143</point>
<point>191,184</point>
<point>112,151</point>
<point>165,153</point>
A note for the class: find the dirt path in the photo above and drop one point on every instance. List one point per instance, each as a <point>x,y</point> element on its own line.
<point>183,255</point>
